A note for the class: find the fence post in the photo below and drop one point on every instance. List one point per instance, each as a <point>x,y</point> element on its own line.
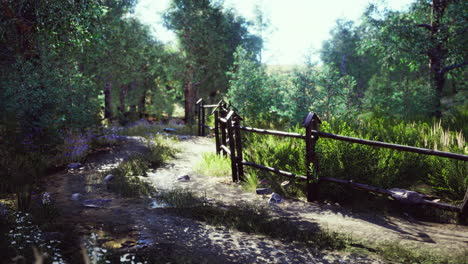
<point>223,130</point>
<point>464,208</point>
<point>232,145</point>
<point>202,108</point>
<point>238,137</point>
<point>198,110</point>
<point>216,130</point>
<point>311,122</point>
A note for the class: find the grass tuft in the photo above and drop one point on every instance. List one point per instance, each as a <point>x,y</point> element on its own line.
<point>213,165</point>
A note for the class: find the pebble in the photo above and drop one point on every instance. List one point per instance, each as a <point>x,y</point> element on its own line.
<point>275,198</point>
<point>183,178</point>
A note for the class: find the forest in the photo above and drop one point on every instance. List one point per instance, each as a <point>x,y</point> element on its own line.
<point>74,74</point>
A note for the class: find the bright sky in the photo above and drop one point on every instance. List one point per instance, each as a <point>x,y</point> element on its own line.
<point>297,27</point>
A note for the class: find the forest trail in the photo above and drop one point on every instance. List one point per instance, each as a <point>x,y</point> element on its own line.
<point>131,224</point>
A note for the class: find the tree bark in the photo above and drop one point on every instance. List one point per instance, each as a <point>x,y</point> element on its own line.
<point>190,93</point>
<point>108,101</point>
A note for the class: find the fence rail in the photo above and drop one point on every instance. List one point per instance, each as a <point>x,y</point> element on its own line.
<point>227,130</point>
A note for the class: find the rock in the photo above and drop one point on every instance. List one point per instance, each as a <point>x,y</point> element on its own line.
<point>183,137</point>
<point>96,203</point>
<point>407,197</point>
<point>285,183</point>
<point>263,191</point>
<point>275,198</point>
<point>76,196</point>
<point>183,178</point>
<point>167,129</point>
<point>109,178</point>
<point>74,166</point>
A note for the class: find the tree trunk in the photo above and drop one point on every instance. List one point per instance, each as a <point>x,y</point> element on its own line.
<point>108,101</point>
<point>438,53</point>
<point>190,94</point>
<point>142,105</point>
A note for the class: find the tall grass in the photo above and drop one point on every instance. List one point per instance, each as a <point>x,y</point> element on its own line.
<point>213,165</point>
<point>365,164</point>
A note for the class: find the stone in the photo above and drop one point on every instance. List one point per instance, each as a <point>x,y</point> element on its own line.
<point>263,191</point>
<point>109,178</point>
<point>96,203</point>
<point>285,183</point>
<point>76,196</point>
<point>183,178</point>
<point>183,137</point>
<point>167,129</point>
<point>74,166</point>
<point>275,198</point>
<point>407,197</point>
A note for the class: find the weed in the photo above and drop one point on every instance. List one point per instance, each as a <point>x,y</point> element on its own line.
<point>213,165</point>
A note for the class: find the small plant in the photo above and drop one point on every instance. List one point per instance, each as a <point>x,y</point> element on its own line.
<point>250,181</point>
<point>213,165</point>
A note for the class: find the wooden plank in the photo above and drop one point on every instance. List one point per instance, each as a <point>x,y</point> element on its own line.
<point>373,189</point>
<point>238,138</point>
<point>358,185</point>
<point>216,131</point>
<point>272,132</point>
<point>392,146</point>
<point>225,149</point>
<point>232,148</point>
<point>275,170</point>
<point>464,207</point>
<point>209,106</point>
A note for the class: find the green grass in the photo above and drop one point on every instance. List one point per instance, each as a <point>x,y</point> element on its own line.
<point>378,167</point>
<point>213,165</point>
<point>398,253</point>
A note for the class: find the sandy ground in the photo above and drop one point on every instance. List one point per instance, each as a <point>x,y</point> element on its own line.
<point>131,223</point>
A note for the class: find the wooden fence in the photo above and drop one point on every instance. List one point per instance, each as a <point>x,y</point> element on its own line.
<point>227,131</point>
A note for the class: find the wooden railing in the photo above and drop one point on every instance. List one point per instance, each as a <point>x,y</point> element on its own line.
<point>227,131</point>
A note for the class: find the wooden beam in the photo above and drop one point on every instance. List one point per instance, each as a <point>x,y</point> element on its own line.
<point>272,132</point>
<point>275,170</point>
<point>393,146</point>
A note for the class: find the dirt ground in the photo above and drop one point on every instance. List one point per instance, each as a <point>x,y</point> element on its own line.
<point>131,223</point>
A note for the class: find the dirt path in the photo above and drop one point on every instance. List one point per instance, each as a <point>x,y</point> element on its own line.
<point>444,238</point>
<point>130,223</point>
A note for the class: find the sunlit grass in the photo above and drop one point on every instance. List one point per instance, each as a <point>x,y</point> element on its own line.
<point>213,165</point>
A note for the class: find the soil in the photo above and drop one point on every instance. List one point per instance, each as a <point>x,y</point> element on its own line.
<point>131,225</point>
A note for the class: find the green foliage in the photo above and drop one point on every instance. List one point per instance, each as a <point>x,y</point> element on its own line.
<point>379,167</point>
<point>404,254</point>
<point>213,165</point>
<point>253,92</point>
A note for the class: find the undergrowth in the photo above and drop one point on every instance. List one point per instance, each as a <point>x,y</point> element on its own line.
<point>378,167</point>
<point>213,165</point>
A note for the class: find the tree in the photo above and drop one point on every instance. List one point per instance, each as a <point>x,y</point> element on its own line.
<point>342,53</point>
<point>208,37</point>
<point>431,33</point>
